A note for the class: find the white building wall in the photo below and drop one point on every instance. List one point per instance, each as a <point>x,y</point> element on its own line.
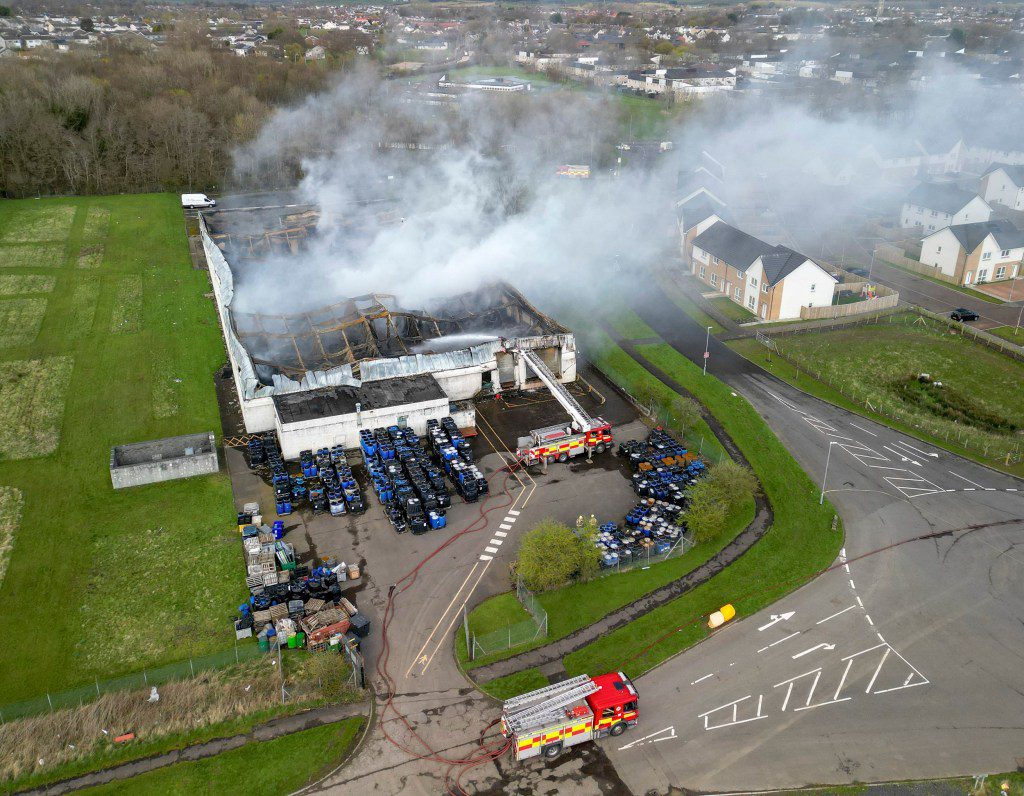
<point>992,259</point>
<point>974,211</point>
<point>808,285</point>
<point>941,250</point>
<point>930,220</point>
<point>344,429</point>
<point>998,187</point>
<point>752,287</point>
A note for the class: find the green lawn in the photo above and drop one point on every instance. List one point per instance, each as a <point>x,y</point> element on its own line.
<point>631,326</point>
<point>515,684</point>
<point>873,363</point>
<point>689,306</point>
<point>800,543</point>
<point>99,582</point>
<point>730,309</point>
<point>282,765</point>
<point>1011,333</point>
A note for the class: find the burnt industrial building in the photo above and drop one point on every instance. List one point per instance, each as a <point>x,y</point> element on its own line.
<point>321,373</point>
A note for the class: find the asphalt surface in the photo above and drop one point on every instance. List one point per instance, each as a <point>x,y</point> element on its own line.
<point>905,663</point>
<point>941,299</point>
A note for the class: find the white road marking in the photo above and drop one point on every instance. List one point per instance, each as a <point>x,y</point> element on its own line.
<point>652,738</point>
<point>513,512</point>
<point>861,428</point>
<point>903,456</point>
<point>793,680</point>
<point>787,638</point>
<point>875,675</point>
<point>852,586</point>
<point>505,527</point>
<point>1011,489</point>
<point>846,567</point>
<point>968,480</point>
<point>778,618</point>
<point>496,542</point>
<point>917,450</point>
<point>441,619</point>
<point>510,519</point>
<point>809,650</point>
<point>455,617</point>
<point>502,534</point>
<point>868,617</point>
<point>486,558</point>
<point>968,489</point>
<point>491,549</point>
<point>823,621</point>
<point>702,679</point>
<point>859,602</point>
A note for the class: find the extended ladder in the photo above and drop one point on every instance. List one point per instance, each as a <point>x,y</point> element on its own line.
<point>545,704</point>
<point>582,420</point>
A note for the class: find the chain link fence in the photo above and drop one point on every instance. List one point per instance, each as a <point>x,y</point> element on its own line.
<point>525,632</point>
<point>180,670</point>
<point>643,557</point>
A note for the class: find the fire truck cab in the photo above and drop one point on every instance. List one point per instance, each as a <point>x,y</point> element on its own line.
<point>553,718</point>
<point>561,443</point>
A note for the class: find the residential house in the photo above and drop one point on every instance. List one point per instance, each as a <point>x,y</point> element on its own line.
<point>316,53</point>
<point>933,206</point>
<point>773,282</point>
<point>986,251</point>
<point>1003,184</point>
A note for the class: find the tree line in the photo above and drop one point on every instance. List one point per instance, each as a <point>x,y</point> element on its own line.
<point>134,117</point>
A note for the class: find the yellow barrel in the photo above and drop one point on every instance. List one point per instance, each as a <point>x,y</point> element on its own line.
<point>721,616</point>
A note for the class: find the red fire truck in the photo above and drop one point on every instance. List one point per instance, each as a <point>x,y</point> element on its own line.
<point>586,434</point>
<point>553,718</point>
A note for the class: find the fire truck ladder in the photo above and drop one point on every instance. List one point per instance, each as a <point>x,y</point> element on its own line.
<point>545,704</point>
<point>580,418</point>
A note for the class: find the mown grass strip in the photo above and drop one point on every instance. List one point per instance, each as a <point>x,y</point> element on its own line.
<point>11,504</point>
<point>19,284</point>
<point>20,319</point>
<point>800,544</point>
<point>32,396</point>
<point>268,768</point>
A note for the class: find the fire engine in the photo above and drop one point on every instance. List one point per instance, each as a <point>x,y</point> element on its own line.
<point>553,718</point>
<point>586,434</point>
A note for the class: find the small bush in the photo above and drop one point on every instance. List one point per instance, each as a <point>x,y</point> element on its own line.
<point>552,555</point>
<point>711,499</point>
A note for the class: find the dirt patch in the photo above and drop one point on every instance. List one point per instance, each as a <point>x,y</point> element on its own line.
<point>90,256</point>
<point>166,387</point>
<point>97,224</point>
<point>32,394</point>
<point>126,317</point>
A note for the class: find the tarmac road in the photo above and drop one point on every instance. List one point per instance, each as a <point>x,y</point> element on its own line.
<point>903,664</point>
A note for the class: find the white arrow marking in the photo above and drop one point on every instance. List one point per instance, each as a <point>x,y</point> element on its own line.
<point>702,679</point>
<point>784,638</point>
<point>918,450</point>
<point>902,457</point>
<point>778,618</point>
<point>652,738</point>
<point>812,649</point>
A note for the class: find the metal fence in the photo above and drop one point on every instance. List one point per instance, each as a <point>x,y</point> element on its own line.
<point>642,558</point>
<point>179,670</point>
<point>525,632</point>
<point>1005,451</point>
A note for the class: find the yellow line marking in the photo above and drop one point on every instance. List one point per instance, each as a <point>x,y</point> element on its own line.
<point>441,619</point>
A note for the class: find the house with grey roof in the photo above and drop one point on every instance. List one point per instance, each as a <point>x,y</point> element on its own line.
<point>986,251</point>
<point>934,205</point>
<point>772,282</point>
<point>1003,184</point>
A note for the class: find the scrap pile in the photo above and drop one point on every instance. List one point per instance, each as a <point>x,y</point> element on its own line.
<point>294,606</point>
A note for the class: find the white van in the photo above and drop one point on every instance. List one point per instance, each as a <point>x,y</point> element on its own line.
<point>194,200</point>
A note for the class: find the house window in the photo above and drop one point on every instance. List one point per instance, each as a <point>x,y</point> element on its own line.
<point>739,274</point>
<point>986,256</point>
<point>736,294</point>
<point>934,214</point>
<point>753,283</point>
<point>702,270</point>
<point>982,274</point>
<point>1004,253</point>
<point>1001,272</point>
<point>931,227</point>
<point>751,302</point>
<point>714,280</point>
<point>813,286</point>
<point>764,287</point>
<point>938,249</point>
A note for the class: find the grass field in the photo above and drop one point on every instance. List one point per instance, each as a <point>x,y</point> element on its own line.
<point>99,582</point>
<point>11,505</point>
<point>875,363</point>
<point>266,768</point>
<point>631,326</point>
<point>730,309</point>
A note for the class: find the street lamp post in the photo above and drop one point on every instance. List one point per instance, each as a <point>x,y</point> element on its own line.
<point>707,343</point>
<point>821,500</point>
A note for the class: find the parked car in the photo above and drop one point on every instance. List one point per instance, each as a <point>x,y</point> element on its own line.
<point>962,314</point>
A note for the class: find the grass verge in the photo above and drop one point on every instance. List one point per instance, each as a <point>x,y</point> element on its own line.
<point>631,326</point>
<point>515,684</point>
<point>688,305</point>
<point>799,544</point>
<point>267,768</point>
<point>1013,334</point>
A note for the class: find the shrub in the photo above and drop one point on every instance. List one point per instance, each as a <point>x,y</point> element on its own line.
<point>552,555</point>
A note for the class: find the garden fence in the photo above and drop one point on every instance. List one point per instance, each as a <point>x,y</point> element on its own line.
<point>525,632</point>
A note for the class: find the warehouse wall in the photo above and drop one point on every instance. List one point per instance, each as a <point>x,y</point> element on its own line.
<point>344,429</point>
<point>163,460</point>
